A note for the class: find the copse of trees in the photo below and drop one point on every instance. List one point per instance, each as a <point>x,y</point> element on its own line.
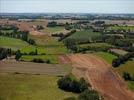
<point>68,84</point>
<point>71,44</point>
<point>86,92</point>
<point>122,59</point>
<point>52,24</point>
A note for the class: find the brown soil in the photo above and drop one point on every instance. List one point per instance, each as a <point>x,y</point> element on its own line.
<point>101,76</point>
<point>63,59</point>
<point>37,33</point>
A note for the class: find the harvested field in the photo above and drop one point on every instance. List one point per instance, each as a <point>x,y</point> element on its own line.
<point>119,51</point>
<point>101,76</point>
<point>32,68</point>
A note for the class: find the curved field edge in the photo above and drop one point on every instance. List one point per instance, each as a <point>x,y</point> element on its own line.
<point>127,67</point>
<point>31,87</point>
<point>106,56</point>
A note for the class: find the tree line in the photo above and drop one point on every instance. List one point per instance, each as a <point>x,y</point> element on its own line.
<point>23,35</point>
<point>122,59</point>
<point>4,53</point>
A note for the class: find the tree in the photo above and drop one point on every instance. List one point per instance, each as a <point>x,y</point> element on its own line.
<point>31,41</point>
<point>18,55</point>
<point>52,24</point>
<point>127,76</point>
<point>89,95</point>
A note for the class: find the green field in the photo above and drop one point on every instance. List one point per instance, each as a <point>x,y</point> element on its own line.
<point>127,67</point>
<point>96,45</point>
<point>48,45</point>
<point>106,56</point>
<point>31,87</point>
<point>12,43</point>
<point>122,27</point>
<point>53,29</point>
<point>52,58</point>
<point>131,85</point>
<point>84,35</point>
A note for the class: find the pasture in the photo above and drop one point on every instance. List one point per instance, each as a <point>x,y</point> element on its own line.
<point>31,87</point>
<point>51,30</point>
<point>12,43</point>
<point>106,56</point>
<point>131,85</point>
<point>84,35</point>
<point>131,28</point>
<point>96,45</point>
<point>127,67</point>
<point>52,58</point>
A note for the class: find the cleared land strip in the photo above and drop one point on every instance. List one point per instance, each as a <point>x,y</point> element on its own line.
<point>31,68</point>
<point>101,76</point>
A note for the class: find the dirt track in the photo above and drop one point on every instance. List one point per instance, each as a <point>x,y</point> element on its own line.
<point>101,76</point>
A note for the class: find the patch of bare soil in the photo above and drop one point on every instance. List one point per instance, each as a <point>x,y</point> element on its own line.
<point>63,59</point>
<point>37,33</point>
<point>101,76</point>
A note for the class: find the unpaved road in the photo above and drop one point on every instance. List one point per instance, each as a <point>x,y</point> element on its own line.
<point>101,76</point>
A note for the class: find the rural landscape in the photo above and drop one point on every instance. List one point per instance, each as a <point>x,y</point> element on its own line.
<point>66,56</point>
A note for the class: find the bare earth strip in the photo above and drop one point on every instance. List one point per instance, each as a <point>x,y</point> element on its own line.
<point>31,68</point>
<point>101,76</point>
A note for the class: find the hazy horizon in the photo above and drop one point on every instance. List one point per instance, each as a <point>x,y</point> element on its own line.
<point>70,6</point>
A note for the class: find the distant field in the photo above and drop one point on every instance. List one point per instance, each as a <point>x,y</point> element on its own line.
<point>53,29</point>
<point>31,87</point>
<point>96,45</point>
<point>52,58</point>
<point>49,45</point>
<point>119,51</point>
<point>12,43</point>
<point>122,27</point>
<point>127,67</point>
<point>84,35</point>
<point>106,56</point>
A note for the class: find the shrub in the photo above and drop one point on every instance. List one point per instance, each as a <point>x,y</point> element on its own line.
<point>89,95</point>
<point>127,76</point>
<point>18,55</point>
<point>38,60</point>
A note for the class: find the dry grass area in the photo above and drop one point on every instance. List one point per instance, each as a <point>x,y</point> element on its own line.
<point>24,25</point>
<point>119,51</point>
<point>33,68</point>
<point>101,76</point>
